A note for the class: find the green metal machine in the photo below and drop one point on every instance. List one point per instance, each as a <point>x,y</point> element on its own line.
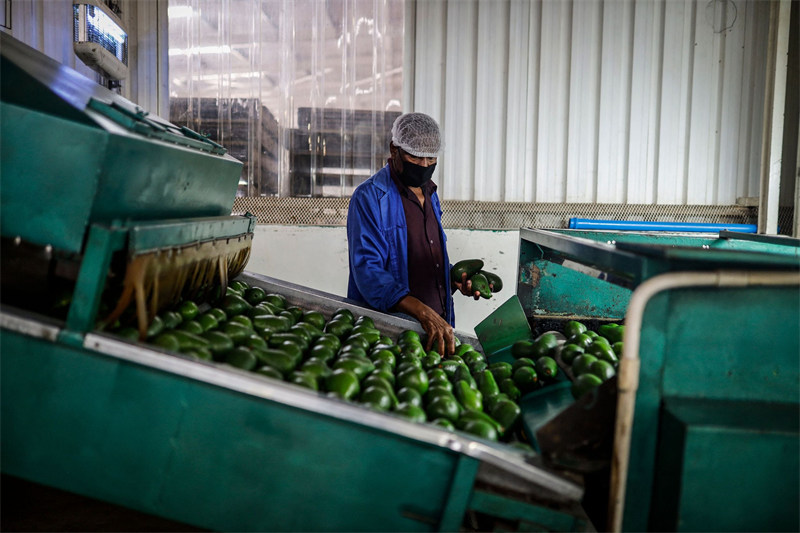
<point>699,431</point>
<point>101,198</point>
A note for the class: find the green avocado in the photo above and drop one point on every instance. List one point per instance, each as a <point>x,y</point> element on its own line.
<point>582,363</point>
<point>547,367</point>
<point>238,285</point>
<point>188,340</point>
<point>471,358</point>
<point>522,348</point>
<point>508,387</point>
<point>585,383</point>
<point>462,374</point>
<point>279,360</point>
<point>522,361</point>
<point>443,406</point>
<point>383,355</point>
<point>171,319</point>
<point>269,371</point>
<point>480,424</point>
<point>316,367</point>
<point>414,378</point>
<point>494,280</point>
<point>329,340</point>
<point>304,379</point>
<point>241,357</point>
<point>491,401</point>
<point>168,341</point>
<point>233,305</point>
<point>468,266</point>
<point>525,378</point>
<point>412,412</point>
<point>237,331</point>
<point>545,343</point>
<point>218,343</point>
<point>207,321</point>
<point>343,382</point>
<point>188,310</point>
<point>340,328</point>
<point>191,326</point>
<point>255,295</point>
<point>573,327</point>
<point>506,412</point>
<point>487,384</point>
<point>315,318</point>
<point>278,340</point>
<point>469,398</point>
<point>569,352</point>
<point>479,428</point>
<point>443,423</point>
<point>275,300</point>
<point>612,332</point>
<point>602,369</point>
<point>218,313</point>
<point>204,354</point>
<point>410,396</point>
<point>360,366</point>
<point>603,352</point>
<point>304,329</point>
<point>271,324</point>
<point>501,370</point>
<point>481,284</point>
<point>255,341</point>
<point>376,397</point>
<point>156,326</point>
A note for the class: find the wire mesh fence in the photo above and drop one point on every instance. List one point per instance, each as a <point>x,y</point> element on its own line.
<point>500,215</point>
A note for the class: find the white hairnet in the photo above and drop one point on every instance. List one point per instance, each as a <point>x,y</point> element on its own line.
<point>417,134</point>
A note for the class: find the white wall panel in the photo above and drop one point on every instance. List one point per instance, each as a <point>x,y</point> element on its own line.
<point>609,101</point>
<point>458,172</point>
<point>492,65</point>
<point>613,135</point>
<point>554,84</point>
<point>584,97</point>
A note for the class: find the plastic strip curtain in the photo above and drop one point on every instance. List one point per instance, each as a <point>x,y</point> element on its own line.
<point>303,92</point>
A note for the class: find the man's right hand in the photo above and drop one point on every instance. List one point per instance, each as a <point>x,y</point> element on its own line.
<point>465,287</point>
<point>441,336</point>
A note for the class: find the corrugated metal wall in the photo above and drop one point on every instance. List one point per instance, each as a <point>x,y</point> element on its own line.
<point>607,101</point>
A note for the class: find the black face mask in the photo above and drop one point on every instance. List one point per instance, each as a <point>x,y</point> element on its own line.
<point>416,175</point>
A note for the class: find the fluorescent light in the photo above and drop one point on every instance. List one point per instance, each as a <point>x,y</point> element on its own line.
<point>224,49</point>
<point>177,12</point>
<point>105,25</point>
<point>215,77</point>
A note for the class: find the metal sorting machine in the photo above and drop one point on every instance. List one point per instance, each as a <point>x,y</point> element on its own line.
<point>99,196</point>
<point>699,429</point>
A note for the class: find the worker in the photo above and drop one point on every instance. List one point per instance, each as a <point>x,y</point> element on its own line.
<point>397,247</point>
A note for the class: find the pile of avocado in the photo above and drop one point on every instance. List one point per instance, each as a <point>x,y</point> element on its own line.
<point>349,358</point>
<point>590,357</point>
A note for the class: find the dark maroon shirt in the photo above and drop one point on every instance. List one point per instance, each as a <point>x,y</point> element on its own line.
<point>426,266</point>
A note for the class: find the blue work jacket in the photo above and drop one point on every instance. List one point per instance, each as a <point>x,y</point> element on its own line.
<point>378,244</point>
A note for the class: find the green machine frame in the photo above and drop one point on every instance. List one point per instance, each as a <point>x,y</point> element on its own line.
<point>200,443</point>
<point>224,449</point>
<point>706,432</point>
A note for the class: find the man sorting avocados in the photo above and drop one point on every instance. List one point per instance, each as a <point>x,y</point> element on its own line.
<point>397,247</point>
